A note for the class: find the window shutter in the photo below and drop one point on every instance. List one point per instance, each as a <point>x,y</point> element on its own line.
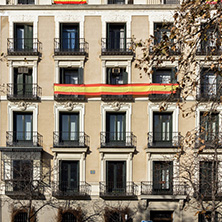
<point>125,77</point>
<point>28,35</point>
<point>173,77</point>
<point>154,75</point>
<point>62,81</point>
<point>80,76</point>
<point>108,76</point>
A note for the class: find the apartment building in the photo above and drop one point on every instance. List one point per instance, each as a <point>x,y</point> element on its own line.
<point>71,97</point>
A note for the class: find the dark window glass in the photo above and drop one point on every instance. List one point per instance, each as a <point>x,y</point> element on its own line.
<point>116,76</point>
<point>162,177</point>
<point>116,36</point>
<point>207,217</point>
<point>116,176</point>
<point>69,176</point>
<point>26,2</point>
<point>162,128</point>
<point>160,216</point>
<point>69,35</point>
<point>116,2</point>
<point>164,75</point>
<point>71,76</point>
<point>23,127</point>
<point>23,35</point>
<point>20,217</point>
<point>161,32</point>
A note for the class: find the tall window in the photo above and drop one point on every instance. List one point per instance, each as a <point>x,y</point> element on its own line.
<point>22,175</point>
<point>69,127</point>
<point>162,128</point>
<point>69,37</point>
<point>116,176</point>
<point>162,176</point>
<point>20,217</point>
<point>27,2</point>
<point>116,36</point>
<point>23,127</point>
<point>160,216</point>
<point>209,126</point>
<point>71,75</point>
<point>115,127</point>
<point>161,32</point>
<point>69,176</point>
<point>23,81</point>
<point>116,76</point>
<point>164,75</point>
<point>23,36</point>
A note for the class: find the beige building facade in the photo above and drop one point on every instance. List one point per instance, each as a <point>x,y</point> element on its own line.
<point>88,153</point>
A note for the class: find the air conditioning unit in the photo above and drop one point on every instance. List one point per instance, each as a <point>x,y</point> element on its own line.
<point>23,70</point>
<point>115,70</point>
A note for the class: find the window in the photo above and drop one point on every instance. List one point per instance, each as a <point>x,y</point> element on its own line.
<point>71,75</point>
<point>162,128</point>
<point>23,128</point>
<point>116,37</point>
<point>68,217</point>
<point>20,217</point>
<point>159,216</point>
<point>69,37</point>
<point>162,177</point>
<point>116,2</point>
<point>69,128</point>
<point>116,128</point>
<point>161,32</point>
<point>27,2</point>
<point>207,217</point>
<point>209,126</point>
<point>23,37</point>
<point>22,175</point>
<point>164,76</point>
<point>208,180</point>
<point>116,176</point>
<point>69,176</point>
<point>116,76</point>
<point>23,81</point>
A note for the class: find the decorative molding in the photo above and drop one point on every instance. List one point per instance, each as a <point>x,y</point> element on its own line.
<point>22,105</point>
<point>70,106</point>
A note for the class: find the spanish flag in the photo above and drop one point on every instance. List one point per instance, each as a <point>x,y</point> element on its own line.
<point>70,2</point>
<point>105,89</point>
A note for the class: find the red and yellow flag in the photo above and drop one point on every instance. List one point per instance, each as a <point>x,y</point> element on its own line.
<point>70,2</point>
<point>105,89</point>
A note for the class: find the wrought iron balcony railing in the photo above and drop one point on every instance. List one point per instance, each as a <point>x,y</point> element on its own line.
<point>163,139</point>
<point>23,46</point>
<point>27,2</point>
<point>163,188</point>
<point>209,50</point>
<point>69,189</point>
<point>17,91</point>
<point>22,187</point>
<point>59,97</point>
<point>70,139</point>
<point>165,97</point>
<point>209,92</point>
<point>209,139</point>
<point>118,190</point>
<point>23,139</point>
<point>122,2</point>
<point>117,139</point>
<point>70,46</point>
<point>117,98</point>
<point>117,46</point>
<point>166,2</point>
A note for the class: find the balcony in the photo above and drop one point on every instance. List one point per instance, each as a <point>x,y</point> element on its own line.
<point>26,2</point>
<point>23,139</point>
<point>59,97</point>
<point>164,140</point>
<point>127,98</point>
<point>117,139</point>
<point>172,97</point>
<point>63,190</point>
<point>23,46</point>
<point>209,50</point>
<point>167,2</point>
<point>210,140</point>
<point>163,188</point>
<point>209,92</point>
<point>117,190</point>
<point>23,92</point>
<point>119,46</point>
<point>70,47</point>
<point>24,189</point>
<point>70,139</point>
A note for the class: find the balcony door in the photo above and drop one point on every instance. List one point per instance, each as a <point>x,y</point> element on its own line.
<point>22,175</point>
<point>161,30</point>
<point>23,127</point>
<point>160,216</point>
<point>209,83</point>
<point>69,128</point>
<point>162,177</point>
<point>209,127</point>
<point>69,176</point>
<point>23,81</point>
<point>162,128</point>
<point>164,76</point>
<point>71,76</point>
<point>69,35</point>
<point>116,36</point>
<point>116,176</point>
<point>117,76</point>
<point>23,37</point>
<point>116,128</point>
